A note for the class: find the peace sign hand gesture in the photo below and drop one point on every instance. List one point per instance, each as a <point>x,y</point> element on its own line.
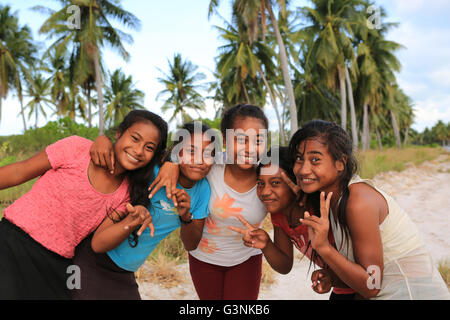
<point>253,236</point>
<point>318,227</point>
<point>301,196</point>
<point>139,216</point>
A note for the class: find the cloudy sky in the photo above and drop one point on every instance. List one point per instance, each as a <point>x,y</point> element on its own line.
<point>182,26</point>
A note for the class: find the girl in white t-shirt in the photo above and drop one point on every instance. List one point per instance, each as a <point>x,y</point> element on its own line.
<point>222,267</point>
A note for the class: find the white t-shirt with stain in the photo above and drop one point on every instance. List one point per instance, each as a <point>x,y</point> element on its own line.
<point>220,245</point>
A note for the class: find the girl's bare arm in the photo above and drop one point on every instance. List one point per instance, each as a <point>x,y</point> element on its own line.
<point>110,233</point>
<point>279,254</point>
<point>17,173</point>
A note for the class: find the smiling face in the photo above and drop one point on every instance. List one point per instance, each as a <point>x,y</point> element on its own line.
<point>315,168</point>
<point>273,191</point>
<point>196,157</point>
<point>136,147</point>
<point>249,142</point>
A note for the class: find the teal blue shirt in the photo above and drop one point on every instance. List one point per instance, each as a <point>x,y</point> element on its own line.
<point>165,220</point>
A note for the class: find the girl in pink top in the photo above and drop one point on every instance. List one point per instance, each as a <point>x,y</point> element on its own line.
<point>39,231</point>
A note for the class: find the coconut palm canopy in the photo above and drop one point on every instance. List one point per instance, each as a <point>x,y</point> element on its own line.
<point>297,61</point>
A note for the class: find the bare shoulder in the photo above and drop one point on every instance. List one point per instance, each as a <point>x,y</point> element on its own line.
<point>364,200</point>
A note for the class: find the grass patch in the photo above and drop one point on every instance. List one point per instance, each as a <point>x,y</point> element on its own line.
<point>373,162</point>
<point>444,270</point>
<point>171,248</point>
<point>162,271</point>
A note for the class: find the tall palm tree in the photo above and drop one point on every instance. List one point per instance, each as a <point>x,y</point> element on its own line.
<point>17,55</point>
<point>332,24</point>
<point>121,97</point>
<point>247,64</point>
<point>252,10</point>
<point>40,92</point>
<point>55,63</point>
<point>376,64</point>
<point>181,85</point>
<point>95,31</point>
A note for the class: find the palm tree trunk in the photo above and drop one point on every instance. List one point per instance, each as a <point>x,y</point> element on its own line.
<point>405,141</point>
<point>274,104</point>
<point>352,109</point>
<point>88,94</point>
<point>99,85</point>
<point>366,129</point>
<point>396,130</point>
<point>246,93</point>
<point>380,145</point>
<point>343,98</point>
<point>37,114</point>
<point>285,70</point>
<point>22,113</point>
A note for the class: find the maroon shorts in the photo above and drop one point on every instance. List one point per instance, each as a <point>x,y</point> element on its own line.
<point>239,282</point>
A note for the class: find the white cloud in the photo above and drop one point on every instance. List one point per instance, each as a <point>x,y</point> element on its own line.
<point>430,111</point>
<point>441,77</point>
<point>404,7</point>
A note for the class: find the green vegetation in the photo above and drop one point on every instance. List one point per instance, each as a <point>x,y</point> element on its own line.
<point>444,270</point>
<point>372,162</point>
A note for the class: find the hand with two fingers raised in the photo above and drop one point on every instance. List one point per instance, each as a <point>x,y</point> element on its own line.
<point>139,216</point>
<point>252,236</point>
<point>318,227</point>
<point>301,196</point>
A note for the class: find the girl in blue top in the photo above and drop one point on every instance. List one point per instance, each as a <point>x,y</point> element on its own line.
<point>110,257</point>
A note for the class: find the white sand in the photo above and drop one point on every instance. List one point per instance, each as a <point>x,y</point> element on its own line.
<point>422,191</point>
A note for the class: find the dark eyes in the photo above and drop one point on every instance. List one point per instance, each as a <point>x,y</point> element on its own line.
<point>273,183</point>
<point>300,159</point>
<point>242,140</point>
<point>148,148</point>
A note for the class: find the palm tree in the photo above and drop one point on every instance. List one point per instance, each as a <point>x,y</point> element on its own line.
<point>39,91</point>
<point>55,64</point>
<point>332,24</point>
<point>180,88</point>
<point>376,63</point>
<point>246,64</point>
<point>121,97</point>
<point>17,55</point>
<point>250,11</point>
<point>94,33</point>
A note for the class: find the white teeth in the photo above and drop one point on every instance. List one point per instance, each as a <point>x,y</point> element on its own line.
<point>307,180</point>
<point>132,158</point>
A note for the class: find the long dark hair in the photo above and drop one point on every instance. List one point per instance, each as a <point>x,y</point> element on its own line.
<point>138,179</point>
<point>340,147</point>
<point>312,202</point>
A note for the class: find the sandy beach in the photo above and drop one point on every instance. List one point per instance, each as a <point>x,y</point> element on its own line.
<point>421,190</point>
